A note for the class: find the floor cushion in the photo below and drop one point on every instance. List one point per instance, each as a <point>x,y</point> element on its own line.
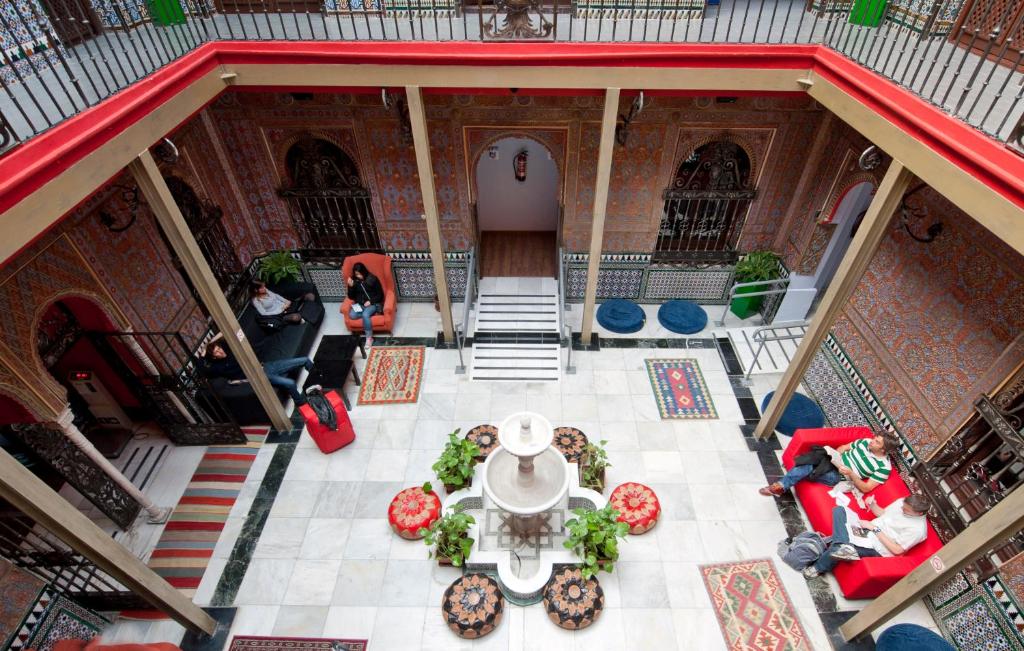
<point>571,601</point>
<point>637,505</point>
<point>682,317</point>
<point>413,509</point>
<point>571,442</point>
<point>485,437</point>
<point>472,606</point>
<point>621,316</point>
<point>800,413</point>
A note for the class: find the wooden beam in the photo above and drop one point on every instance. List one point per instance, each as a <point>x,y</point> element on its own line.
<point>173,224</point>
<point>990,209</point>
<point>34,498</point>
<point>1004,520</point>
<point>609,119</point>
<point>869,235</point>
<point>421,143</point>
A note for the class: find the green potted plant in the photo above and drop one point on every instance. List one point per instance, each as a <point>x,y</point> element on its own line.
<point>595,460</point>
<point>594,536</point>
<point>756,266</point>
<point>448,537</point>
<point>455,465</point>
<point>279,267</point>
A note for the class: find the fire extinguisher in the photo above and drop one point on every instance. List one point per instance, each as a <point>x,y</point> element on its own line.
<point>519,165</point>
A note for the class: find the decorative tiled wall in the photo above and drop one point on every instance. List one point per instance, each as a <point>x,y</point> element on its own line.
<point>632,276</point>
<point>27,40</point>
<point>413,272</point>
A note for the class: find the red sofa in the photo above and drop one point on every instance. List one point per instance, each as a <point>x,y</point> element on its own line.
<point>868,577</point>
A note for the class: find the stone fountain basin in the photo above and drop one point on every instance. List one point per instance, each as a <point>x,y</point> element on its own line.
<point>525,493</point>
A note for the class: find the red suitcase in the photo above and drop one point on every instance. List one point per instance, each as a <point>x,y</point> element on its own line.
<point>329,440</point>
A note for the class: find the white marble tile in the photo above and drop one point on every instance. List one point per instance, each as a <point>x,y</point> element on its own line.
<point>664,466</point>
<point>659,435</point>
<point>228,537</point>
<point>438,637</point>
<point>433,434</point>
<point>254,620</point>
<point>540,634</point>
<point>504,405</point>
<point>650,628</point>
<point>702,466</point>
<point>281,538</point>
<point>167,631</point>
<point>621,435</point>
<point>407,583</point>
<point>312,583</point>
<point>679,541</point>
<point>337,499</point>
<point>643,547</point>
<point>308,465</point>
<point>395,433</point>
<point>399,629</point>
<point>713,501</point>
<point>751,505</point>
<point>686,586</point>
<point>386,465</point>
<point>350,622</point>
<point>296,499</point>
<point>642,584</point>
<point>265,582</point>
<point>719,538</point>
<point>697,628</point>
<point>208,584</point>
<point>369,539</point>
<point>359,583</point>
<point>325,539</point>
<point>549,405</point>
<point>611,383</point>
<point>615,407</point>
<point>300,621</point>
<point>579,407</point>
<point>605,634</point>
<point>347,464</point>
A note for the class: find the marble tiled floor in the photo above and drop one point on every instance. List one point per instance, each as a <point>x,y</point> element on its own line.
<point>327,564</point>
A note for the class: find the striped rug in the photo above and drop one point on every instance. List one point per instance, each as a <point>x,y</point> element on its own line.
<point>184,550</point>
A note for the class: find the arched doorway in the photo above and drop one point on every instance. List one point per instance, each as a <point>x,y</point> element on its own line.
<point>330,205</point>
<point>518,208</point>
<point>706,205</point>
<point>847,214</point>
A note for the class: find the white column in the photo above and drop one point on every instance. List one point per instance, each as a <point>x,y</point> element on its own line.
<point>66,422</point>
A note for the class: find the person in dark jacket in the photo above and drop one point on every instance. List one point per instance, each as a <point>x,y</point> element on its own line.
<point>367,297</point>
<point>219,361</point>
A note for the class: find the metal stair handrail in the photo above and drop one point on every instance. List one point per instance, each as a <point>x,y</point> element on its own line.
<point>783,287</point>
<point>569,368</point>
<point>767,333</point>
<point>467,303</point>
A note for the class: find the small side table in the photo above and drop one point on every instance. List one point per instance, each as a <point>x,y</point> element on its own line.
<point>333,363</point>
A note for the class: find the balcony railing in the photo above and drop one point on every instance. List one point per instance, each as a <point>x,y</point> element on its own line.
<point>64,56</point>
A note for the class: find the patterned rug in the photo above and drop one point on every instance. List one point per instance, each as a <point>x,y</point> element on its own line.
<point>392,375</point>
<point>184,550</point>
<point>679,389</point>
<point>753,609</point>
<point>247,643</point>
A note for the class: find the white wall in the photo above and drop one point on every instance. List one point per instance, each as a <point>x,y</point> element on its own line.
<point>856,201</point>
<point>505,204</point>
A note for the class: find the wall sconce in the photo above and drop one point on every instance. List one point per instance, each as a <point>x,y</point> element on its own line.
<point>519,165</point>
<point>907,212</point>
<point>396,103</point>
<point>621,130</point>
<point>130,196</point>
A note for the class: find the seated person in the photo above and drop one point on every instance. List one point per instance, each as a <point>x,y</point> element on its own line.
<point>219,361</point>
<point>895,529</point>
<point>865,464</point>
<point>366,293</point>
<point>269,304</point>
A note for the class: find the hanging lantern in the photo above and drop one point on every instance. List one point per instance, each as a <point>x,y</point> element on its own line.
<point>519,165</point>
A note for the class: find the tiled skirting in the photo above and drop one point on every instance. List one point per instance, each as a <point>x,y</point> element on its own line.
<point>632,276</point>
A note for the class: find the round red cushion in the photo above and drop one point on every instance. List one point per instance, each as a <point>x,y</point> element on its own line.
<point>412,509</point>
<point>637,505</point>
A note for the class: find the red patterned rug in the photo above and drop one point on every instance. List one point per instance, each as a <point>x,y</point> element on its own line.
<point>248,643</point>
<point>679,389</point>
<point>753,609</point>
<point>392,375</point>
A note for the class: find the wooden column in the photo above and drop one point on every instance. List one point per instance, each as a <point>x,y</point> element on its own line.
<point>1002,521</point>
<point>159,198</point>
<point>34,498</point>
<point>869,235</point>
<point>421,143</point>
<point>604,171</point>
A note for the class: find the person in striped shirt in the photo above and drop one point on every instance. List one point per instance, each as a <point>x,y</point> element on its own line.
<point>865,464</point>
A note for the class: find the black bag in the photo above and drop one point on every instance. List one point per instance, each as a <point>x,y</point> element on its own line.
<point>802,550</point>
<point>322,407</point>
<point>271,322</point>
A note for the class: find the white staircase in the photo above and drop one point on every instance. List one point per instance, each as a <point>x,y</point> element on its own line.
<point>515,330</point>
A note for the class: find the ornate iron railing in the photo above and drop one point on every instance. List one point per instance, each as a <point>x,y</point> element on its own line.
<point>964,56</point>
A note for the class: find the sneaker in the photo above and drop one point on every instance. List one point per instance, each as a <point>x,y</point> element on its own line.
<point>811,572</point>
<point>844,553</point>
<point>772,490</point>
<point>369,341</point>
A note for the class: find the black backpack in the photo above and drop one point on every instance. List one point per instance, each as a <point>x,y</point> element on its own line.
<point>803,549</point>
<point>322,407</point>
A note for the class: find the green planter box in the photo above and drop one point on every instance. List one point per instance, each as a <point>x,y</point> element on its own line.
<point>746,307</point>
<point>166,12</point>
<point>867,12</point>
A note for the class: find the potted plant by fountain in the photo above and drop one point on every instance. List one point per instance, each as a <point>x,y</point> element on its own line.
<point>448,537</point>
<point>455,465</point>
<point>595,460</point>
<point>594,536</point>
<point>279,267</point>
<point>756,266</point>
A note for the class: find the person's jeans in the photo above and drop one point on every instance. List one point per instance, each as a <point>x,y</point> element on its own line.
<point>368,311</point>
<point>840,536</point>
<point>276,370</point>
<point>800,473</point>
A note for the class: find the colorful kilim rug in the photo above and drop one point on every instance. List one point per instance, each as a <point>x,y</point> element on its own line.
<point>753,609</point>
<point>247,643</point>
<point>679,389</point>
<point>392,375</point>
<point>184,550</point>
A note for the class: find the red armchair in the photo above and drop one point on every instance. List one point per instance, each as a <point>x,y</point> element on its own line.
<point>380,266</point>
<point>868,577</point>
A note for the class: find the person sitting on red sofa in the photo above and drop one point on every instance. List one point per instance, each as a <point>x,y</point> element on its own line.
<point>865,464</point>
<point>895,529</point>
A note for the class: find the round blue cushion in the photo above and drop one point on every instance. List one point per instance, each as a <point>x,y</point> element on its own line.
<point>911,637</point>
<point>682,317</point>
<point>621,316</point>
<point>800,413</point>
